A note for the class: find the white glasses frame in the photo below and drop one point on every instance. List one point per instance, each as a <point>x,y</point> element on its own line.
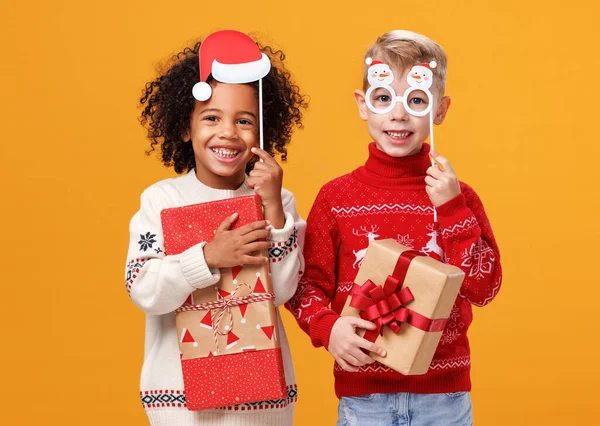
<point>395,99</point>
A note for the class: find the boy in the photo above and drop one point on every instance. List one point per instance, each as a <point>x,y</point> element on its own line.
<point>393,196</point>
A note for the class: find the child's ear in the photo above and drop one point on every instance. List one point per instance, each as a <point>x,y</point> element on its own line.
<point>359,97</point>
<point>186,137</point>
<point>442,110</point>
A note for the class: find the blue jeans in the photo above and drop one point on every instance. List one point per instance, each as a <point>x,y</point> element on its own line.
<point>406,409</point>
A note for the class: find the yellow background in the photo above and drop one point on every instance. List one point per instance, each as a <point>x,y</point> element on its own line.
<point>522,131</point>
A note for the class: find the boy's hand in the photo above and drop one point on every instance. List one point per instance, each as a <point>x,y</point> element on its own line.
<point>442,183</point>
<point>345,345</point>
<point>232,248</point>
<point>266,180</point>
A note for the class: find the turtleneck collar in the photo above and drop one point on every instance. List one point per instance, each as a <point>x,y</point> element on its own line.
<point>384,171</point>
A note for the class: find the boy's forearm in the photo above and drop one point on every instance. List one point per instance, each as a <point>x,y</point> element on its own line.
<point>310,307</point>
<point>469,244</point>
<point>310,304</point>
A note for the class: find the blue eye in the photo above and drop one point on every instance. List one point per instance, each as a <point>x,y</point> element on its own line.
<point>384,98</point>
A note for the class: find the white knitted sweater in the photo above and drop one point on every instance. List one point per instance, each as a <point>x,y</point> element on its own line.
<point>159,284</point>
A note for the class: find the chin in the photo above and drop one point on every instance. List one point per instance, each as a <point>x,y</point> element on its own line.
<point>400,151</point>
<point>224,171</point>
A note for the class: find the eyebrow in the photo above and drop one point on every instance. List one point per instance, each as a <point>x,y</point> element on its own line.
<point>218,110</point>
<point>210,110</point>
<point>249,113</point>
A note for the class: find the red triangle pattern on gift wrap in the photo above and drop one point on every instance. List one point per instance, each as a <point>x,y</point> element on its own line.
<point>231,339</point>
<point>207,320</point>
<point>235,270</point>
<point>189,300</point>
<point>268,330</point>
<point>259,288</point>
<point>186,336</point>
<point>243,309</point>
<point>223,293</point>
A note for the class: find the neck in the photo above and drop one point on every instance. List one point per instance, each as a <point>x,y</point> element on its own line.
<point>384,171</point>
<point>220,182</point>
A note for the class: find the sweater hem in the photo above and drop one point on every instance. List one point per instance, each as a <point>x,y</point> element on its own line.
<point>356,384</point>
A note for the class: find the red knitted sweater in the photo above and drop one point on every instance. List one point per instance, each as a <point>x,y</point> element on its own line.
<point>386,198</point>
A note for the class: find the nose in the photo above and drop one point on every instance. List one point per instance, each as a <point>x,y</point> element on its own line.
<point>383,74</point>
<point>416,77</point>
<point>399,113</point>
<point>227,130</point>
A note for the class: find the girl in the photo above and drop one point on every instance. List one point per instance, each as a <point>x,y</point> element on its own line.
<point>204,115</point>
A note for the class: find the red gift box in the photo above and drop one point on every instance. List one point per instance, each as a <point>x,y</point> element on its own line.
<point>228,338</point>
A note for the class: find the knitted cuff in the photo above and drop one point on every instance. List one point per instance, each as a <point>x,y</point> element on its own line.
<point>280,235</point>
<point>194,268</point>
<point>453,206</point>
<point>320,330</point>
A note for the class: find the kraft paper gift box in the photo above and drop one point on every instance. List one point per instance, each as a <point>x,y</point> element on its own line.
<point>409,296</point>
<point>228,338</point>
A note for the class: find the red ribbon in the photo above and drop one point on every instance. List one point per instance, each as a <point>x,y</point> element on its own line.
<point>386,306</point>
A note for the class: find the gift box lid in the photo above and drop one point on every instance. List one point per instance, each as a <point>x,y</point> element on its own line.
<point>184,227</point>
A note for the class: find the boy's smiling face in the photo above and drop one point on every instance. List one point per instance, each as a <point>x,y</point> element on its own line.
<point>398,133</point>
<point>223,130</point>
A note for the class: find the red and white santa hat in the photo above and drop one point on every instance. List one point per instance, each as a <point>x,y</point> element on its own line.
<point>371,62</point>
<point>231,57</point>
<point>431,65</point>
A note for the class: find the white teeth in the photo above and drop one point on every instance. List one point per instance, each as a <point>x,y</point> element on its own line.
<point>225,153</point>
<point>401,135</point>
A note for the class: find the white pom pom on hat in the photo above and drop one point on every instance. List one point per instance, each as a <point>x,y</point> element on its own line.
<point>432,64</point>
<point>202,91</point>
<point>369,61</point>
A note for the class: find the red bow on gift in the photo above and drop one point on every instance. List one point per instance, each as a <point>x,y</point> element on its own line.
<point>385,306</point>
<point>382,305</point>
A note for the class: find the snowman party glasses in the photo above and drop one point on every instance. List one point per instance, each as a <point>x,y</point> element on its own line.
<point>417,98</point>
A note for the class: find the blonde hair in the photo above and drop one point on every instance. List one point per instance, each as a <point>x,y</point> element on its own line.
<point>402,50</point>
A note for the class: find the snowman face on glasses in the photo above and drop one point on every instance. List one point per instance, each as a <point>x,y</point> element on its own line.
<point>380,74</point>
<point>416,99</point>
<point>420,76</point>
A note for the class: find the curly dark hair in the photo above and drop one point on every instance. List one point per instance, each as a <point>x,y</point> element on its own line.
<point>168,103</point>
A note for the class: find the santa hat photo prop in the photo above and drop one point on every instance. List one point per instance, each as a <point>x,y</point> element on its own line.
<point>231,57</point>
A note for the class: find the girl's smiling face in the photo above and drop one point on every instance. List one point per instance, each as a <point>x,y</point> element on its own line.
<point>222,131</point>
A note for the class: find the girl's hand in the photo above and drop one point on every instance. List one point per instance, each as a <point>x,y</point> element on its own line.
<point>266,180</point>
<point>442,183</point>
<point>346,346</point>
<point>232,248</point>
